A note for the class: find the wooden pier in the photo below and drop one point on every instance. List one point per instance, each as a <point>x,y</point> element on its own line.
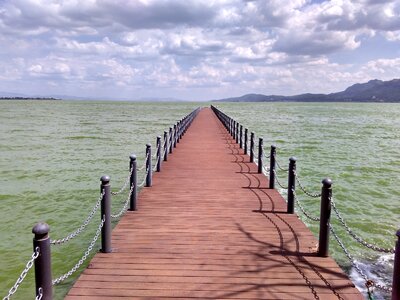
<point>210,228</point>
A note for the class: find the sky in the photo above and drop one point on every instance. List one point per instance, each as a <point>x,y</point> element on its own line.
<point>195,50</point>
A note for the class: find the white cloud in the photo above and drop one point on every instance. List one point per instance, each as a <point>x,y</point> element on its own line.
<point>383,68</point>
<point>225,47</point>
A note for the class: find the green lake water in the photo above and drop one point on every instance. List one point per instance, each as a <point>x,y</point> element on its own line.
<point>52,154</point>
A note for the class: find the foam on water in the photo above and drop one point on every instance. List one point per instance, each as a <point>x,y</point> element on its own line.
<point>379,271</point>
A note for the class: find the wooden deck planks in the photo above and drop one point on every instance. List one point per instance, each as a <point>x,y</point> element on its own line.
<point>210,229</point>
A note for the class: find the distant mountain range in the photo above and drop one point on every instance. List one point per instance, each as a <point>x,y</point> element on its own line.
<point>18,96</point>
<point>372,91</point>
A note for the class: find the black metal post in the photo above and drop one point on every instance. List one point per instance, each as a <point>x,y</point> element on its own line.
<point>241,137</point>
<point>106,214</point>
<point>396,270</point>
<point>41,243</point>
<point>133,182</point>
<point>252,147</point>
<point>325,216</point>
<point>158,154</point>
<point>260,154</point>
<point>178,129</point>
<point>182,125</point>
<point>170,140</point>
<point>272,166</point>
<point>148,165</point>
<point>291,185</point>
<point>234,130</point>
<point>175,135</point>
<point>165,146</point>
<point>237,133</point>
<point>245,140</point>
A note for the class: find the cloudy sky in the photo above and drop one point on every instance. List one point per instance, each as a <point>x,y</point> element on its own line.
<point>195,50</point>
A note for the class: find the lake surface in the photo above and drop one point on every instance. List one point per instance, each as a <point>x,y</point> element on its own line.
<point>52,154</point>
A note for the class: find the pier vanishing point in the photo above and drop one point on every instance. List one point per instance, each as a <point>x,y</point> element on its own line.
<point>210,228</point>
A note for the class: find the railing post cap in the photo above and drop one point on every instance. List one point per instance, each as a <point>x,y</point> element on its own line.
<point>273,146</point>
<point>148,145</point>
<point>165,132</point>
<point>327,182</point>
<point>293,159</point>
<point>159,137</point>
<point>261,138</point>
<point>105,179</point>
<point>40,230</point>
<point>132,156</point>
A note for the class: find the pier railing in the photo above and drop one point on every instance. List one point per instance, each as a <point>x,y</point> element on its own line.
<point>41,256</point>
<point>327,202</point>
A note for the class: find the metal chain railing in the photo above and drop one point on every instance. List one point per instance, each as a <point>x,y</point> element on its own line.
<point>63,277</point>
<point>144,180</point>
<point>308,215</point>
<point>279,166</point>
<point>125,184</point>
<point>144,164</point>
<point>40,294</point>
<point>125,207</point>
<point>21,277</point>
<point>84,257</point>
<point>304,189</point>
<point>355,236</point>
<point>266,170</point>
<point>368,282</point>
<point>82,227</point>
<point>267,156</point>
<point>279,183</point>
<point>156,163</point>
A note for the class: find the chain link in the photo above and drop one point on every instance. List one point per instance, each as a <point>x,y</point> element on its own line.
<point>144,180</point>
<point>355,236</point>
<point>21,277</point>
<point>82,227</point>
<point>125,184</point>
<point>84,257</point>
<point>348,255</point>
<point>267,156</point>
<point>156,163</point>
<point>308,215</point>
<point>303,188</point>
<point>369,282</point>
<point>266,170</point>
<point>279,166</point>
<point>125,207</point>
<point>382,287</point>
<point>277,180</point>
<point>40,294</point>
<point>144,164</point>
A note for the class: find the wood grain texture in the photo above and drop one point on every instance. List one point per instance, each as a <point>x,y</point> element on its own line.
<point>209,228</point>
